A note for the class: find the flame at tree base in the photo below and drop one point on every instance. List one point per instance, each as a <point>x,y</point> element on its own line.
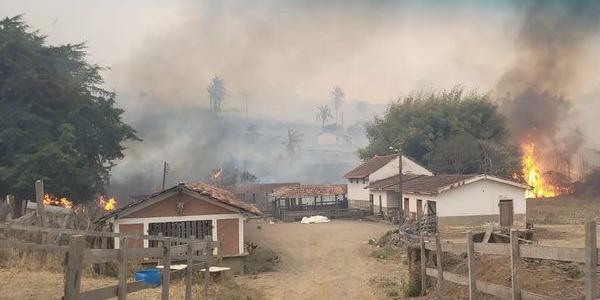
<point>54,201</point>
<point>107,204</point>
<point>533,175</point>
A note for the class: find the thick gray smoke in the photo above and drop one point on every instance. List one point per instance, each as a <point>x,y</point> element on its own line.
<point>551,49</point>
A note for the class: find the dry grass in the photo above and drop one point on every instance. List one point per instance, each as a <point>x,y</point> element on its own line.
<point>20,284</point>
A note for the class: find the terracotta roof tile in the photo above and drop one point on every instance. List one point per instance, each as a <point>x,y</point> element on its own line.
<point>390,181</point>
<point>370,166</point>
<point>430,184</point>
<point>212,192</point>
<point>261,188</point>
<point>303,191</point>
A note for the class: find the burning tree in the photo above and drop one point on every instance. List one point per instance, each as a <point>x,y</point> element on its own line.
<point>57,123</point>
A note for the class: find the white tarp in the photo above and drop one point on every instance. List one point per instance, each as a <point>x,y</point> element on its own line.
<point>314,219</point>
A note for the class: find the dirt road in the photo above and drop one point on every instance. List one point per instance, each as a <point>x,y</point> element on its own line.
<point>320,261</point>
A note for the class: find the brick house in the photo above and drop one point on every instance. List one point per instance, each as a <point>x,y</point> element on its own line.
<point>186,210</point>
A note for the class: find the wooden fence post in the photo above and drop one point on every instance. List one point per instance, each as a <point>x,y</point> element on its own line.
<point>74,267</point>
<point>208,251</point>
<point>39,198</point>
<point>166,276</point>
<point>440,272</point>
<point>188,275</point>
<point>423,265</point>
<point>514,262</point>
<point>471,265</point>
<point>122,290</point>
<point>591,260</point>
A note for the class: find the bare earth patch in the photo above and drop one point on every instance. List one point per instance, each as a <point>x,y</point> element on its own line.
<point>322,261</point>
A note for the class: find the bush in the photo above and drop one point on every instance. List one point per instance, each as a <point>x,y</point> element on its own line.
<point>389,286</point>
<point>411,290</point>
<point>386,252</point>
<point>261,260</point>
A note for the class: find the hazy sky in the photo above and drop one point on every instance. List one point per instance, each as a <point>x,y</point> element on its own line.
<point>287,55</point>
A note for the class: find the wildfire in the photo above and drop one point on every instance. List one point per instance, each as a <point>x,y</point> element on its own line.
<point>533,174</point>
<point>107,204</point>
<point>62,202</point>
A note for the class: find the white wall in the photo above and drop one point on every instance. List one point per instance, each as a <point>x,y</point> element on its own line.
<point>478,198</point>
<point>391,169</point>
<point>357,191</point>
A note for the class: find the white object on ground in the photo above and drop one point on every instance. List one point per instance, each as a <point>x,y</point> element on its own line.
<point>173,267</point>
<point>314,219</point>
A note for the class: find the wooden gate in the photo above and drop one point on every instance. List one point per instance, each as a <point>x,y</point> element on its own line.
<point>506,213</point>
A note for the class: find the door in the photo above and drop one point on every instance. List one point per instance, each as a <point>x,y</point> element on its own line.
<point>406,207</point>
<point>419,208</point>
<point>431,209</point>
<point>506,213</point>
<point>371,202</point>
<point>380,208</point>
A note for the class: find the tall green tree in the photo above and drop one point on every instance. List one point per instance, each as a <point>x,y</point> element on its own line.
<point>451,131</point>
<point>57,123</point>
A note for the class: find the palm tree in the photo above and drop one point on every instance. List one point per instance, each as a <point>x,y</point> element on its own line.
<point>337,97</point>
<point>292,141</point>
<point>216,92</point>
<point>324,114</point>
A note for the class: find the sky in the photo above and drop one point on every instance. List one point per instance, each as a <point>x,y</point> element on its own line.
<point>284,57</point>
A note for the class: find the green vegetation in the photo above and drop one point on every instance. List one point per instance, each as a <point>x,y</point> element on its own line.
<point>386,252</point>
<point>449,131</point>
<point>389,286</point>
<point>260,260</point>
<point>411,290</point>
<point>57,123</point>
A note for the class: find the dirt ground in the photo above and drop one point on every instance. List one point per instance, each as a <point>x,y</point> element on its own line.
<point>321,261</point>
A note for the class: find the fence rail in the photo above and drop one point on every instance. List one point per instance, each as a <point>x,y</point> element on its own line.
<point>197,253</point>
<point>516,251</point>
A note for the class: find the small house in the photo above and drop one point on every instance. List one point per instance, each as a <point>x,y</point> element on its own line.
<point>294,202</point>
<point>459,200</point>
<point>187,210</point>
<point>259,194</point>
<point>374,169</point>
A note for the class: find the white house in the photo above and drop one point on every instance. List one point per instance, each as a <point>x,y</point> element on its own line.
<point>374,169</point>
<point>458,199</point>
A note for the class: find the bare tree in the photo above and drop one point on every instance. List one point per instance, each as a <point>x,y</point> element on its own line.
<point>292,141</point>
<point>324,114</point>
<point>216,92</point>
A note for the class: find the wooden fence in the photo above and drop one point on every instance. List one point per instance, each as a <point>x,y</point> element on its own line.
<point>516,251</point>
<point>196,253</point>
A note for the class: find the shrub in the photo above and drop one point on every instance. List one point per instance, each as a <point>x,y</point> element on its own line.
<point>261,260</point>
<point>411,290</point>
<point>386,252</point>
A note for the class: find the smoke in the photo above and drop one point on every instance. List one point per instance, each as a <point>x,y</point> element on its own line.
<point>540,89</point>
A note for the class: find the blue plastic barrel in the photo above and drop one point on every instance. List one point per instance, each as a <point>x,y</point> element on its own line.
<point>150,276</point>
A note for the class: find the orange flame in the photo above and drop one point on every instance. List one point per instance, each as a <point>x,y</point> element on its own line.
<point>533,174</point>
<point>109,204</point>
<point>62,202</point>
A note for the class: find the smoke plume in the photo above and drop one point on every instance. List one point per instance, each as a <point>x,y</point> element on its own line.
<point>551,49</point>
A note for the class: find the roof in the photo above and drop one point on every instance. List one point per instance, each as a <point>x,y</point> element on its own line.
<point>310,191</point>
<point>440,183</point>
<point>390,181</point>
<point>210,191</point>
<point>261,188</point>
<point>365,169</point>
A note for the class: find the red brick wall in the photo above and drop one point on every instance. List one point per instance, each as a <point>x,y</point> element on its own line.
<point>168,208</point>
<point>133,229</point>
<point>228,233</point>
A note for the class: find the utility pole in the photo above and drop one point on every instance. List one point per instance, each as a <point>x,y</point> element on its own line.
<point>400,208</point>
<point>165,171</point>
